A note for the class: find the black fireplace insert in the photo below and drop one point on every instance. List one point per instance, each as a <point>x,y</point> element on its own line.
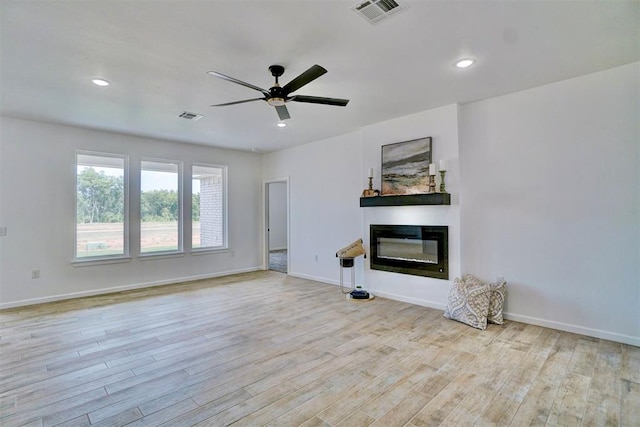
<point>421,250</point>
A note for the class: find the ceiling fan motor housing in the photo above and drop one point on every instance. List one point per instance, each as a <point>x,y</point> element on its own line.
<point>276,98</point>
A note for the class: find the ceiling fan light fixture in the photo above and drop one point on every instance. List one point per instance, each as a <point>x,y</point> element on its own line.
<point>277,96</point>
<point>275,102</point>
<point>464,63</point>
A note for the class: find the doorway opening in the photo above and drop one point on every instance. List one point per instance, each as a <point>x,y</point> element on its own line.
<point>277,224</point>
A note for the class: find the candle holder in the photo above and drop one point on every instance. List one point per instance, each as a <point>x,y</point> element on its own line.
<point>432,184</point>
<point>442,188</point>
<point>370,192</point>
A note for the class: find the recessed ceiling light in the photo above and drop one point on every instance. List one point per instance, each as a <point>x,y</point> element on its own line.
<point>100,82</point>
<point>464,63</point>
<point>281,124</point>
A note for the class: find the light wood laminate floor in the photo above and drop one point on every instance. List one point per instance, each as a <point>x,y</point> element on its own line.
<point>268,349</point>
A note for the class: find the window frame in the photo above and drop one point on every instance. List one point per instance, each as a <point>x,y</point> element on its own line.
<point>180,249</point>
<point>225,217</point>
<point>185,201</point>
<point>102,259</point>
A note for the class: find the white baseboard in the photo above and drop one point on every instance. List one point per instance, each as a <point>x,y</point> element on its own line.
<point>388,295</point>
<point>104,291</point>
<point>581,330</point>
<point>410,300</point>
<point>319,279</point>
<point>596,333</point>
<point>314,278</point>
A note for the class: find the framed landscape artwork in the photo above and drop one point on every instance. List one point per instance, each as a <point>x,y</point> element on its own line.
<point>405,167</point>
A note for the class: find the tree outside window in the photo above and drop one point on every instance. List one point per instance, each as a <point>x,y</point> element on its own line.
<point>100,206</point>
<point>160,209</point>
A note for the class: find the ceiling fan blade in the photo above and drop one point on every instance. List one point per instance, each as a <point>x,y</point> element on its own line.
<point>240,82</point>
<point>320,100</point>
<point>238,102</point>
<point>283,113</point>
<point>308,76</point>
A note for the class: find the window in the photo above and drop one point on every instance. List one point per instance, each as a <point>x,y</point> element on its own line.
<point>101,206</point>
<point>208,207</point>
<point>160,208</point>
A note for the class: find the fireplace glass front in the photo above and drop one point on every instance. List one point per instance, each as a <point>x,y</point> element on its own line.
<point>410,249</point>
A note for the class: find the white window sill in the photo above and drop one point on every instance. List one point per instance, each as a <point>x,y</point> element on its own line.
<point>208,251</point>
<point>100,261</point>
<point>159,255</point>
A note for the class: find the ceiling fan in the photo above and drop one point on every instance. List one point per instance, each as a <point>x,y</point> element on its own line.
<point>278,96</point>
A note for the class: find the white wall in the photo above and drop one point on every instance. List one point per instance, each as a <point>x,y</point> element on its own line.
<point>441,124</point>
<point>545,185</point>
<point>550,196</point>
<point>2,220</point>
<point>545,190</point>
<point>277,215</point>
<point>325,182</point>
<point>37,206</point>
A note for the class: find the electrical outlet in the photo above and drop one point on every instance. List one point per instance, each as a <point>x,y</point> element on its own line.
<point>316,257</point>
<point>35,274</point>
<point>3,231</point>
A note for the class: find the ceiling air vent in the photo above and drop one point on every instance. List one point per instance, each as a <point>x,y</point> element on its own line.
<point>375,11</point>
<point>190,116</point>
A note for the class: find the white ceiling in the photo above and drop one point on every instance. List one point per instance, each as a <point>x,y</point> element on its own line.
<point>157,53</point>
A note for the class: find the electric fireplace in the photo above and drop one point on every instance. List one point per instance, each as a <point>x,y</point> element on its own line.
<point>421,250</point>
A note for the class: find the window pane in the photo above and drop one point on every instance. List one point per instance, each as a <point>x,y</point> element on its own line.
<point>100,206</point>
<point>207,207</point>
<point>159,207</point>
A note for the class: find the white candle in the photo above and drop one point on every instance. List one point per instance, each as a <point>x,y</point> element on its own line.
<point>443,165</point>
<point>370,172</point>
<point>432,169</point>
